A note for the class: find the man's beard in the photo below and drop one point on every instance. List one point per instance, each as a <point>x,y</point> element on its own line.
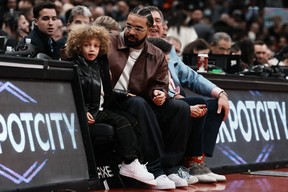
<point>135,43</point>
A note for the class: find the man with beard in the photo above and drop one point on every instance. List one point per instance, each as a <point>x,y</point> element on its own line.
<point>141,69</point>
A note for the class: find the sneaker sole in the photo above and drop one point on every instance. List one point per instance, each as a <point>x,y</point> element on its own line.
<point>164,187</point>
<point>182,185</point>
<point>151,182</point>
<point>191,182</point>
<point>202,180</point>
<point>217,179</point>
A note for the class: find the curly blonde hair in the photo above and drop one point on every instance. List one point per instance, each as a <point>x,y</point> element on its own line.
<point>84,32</point>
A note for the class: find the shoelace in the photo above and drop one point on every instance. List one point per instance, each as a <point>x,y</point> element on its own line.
<point>183,173</point>
<point>144,166</point>
<point>205,168</point>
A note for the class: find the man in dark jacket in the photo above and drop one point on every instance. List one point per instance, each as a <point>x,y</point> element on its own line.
<point>45,26</point>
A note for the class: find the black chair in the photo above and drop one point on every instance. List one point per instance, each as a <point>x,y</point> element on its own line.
<point>107,160</point>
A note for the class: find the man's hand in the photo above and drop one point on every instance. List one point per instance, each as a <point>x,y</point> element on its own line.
<point>178,96</point>
<point>198,111</point>
<point>223,104</point>
<point>159,97</point>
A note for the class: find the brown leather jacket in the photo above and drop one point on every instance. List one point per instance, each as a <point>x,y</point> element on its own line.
<point>149,73</point>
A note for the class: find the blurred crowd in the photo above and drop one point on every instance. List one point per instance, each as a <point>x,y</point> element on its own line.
<point>242,20</point>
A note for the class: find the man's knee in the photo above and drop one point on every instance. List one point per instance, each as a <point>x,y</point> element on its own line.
<point>137,104</point>
<point>179,105</point>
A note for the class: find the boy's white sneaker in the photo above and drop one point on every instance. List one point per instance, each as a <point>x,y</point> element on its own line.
<point>137,171</point>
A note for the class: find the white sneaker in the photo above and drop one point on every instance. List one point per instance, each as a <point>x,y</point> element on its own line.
<point>219,178</point>
<point>201,171</point>
<point>192,180</point>
<point>164,183</point>
<point>179,182</point>
<point>137,171</point>
<point>205,178</point>
<point>184,174</point>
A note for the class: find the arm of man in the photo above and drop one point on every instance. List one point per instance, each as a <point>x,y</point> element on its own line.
<point>160,80</point>
<point>186,76</point>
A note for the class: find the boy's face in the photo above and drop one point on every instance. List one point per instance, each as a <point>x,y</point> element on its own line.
<point>90,49</point>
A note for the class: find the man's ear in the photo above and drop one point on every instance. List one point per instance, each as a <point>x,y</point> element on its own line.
<point>35,21</point>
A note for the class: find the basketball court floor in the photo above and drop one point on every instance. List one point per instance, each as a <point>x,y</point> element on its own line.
<point>275,180</point>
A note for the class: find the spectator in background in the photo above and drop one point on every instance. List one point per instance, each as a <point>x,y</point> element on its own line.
<point>88,46</point>
<point>235,49</point>
<point>247,53</point>
<point>140,68</point>
<point>179,27</point>
<point>275,29</point>
<point>221,43</point>
<point>79,15</point>
<point>45,26</point>
<point>175,41</point>
<point>282,42</point>
<point>26,7</point>
<point>218,109</point>
<point>60,30</point>
<point>202,29</point>
<point>97,12</point>
<point>109,23</point>
<point>197,46</point>
<point>120,12</point>
<point>9,6</point>
<point>260,53</point>
<point>17,27</point>
<point>108,6</point>
<point>224,24</point>
<point>253,31</point>
<point>165,29</point>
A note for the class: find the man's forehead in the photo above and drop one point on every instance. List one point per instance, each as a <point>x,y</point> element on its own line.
<point>48,12</point>
<point>81,18</point>
<point>260,47</point>
<point>223,42</point>
<point>156,15</point>
<point>136,19</point>
<point>136,15</point>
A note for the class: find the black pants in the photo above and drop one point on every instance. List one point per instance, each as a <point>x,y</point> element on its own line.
<point>125,136</point>
<point>202,138</point>
<point>163,152</point>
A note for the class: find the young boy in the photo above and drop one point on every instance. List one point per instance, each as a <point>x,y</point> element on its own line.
<point>88,46</point>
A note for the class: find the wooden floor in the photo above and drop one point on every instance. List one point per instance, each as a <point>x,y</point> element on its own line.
<point>235,183</point>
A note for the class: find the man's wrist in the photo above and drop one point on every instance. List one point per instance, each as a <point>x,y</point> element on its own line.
<point>222,93</point>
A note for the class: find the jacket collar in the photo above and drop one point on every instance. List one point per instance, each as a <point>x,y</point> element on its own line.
<point>43,35</point>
